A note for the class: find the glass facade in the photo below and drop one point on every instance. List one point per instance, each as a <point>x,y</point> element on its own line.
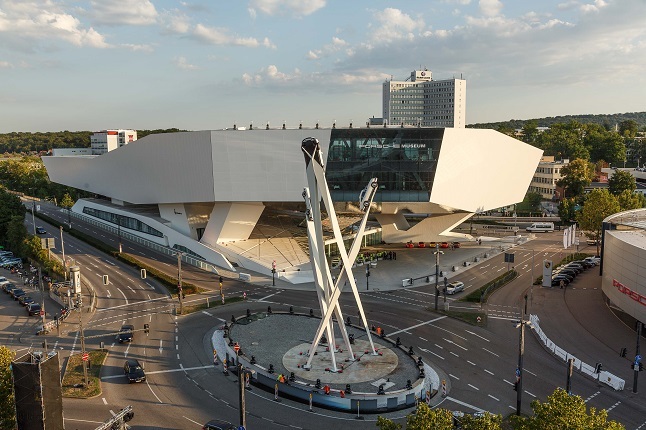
<point>123,221</point>
<point>402,159</point>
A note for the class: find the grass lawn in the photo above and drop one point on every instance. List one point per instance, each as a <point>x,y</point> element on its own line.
<point>213,302</point>
<point>468,317</point>
<point>73,381</point>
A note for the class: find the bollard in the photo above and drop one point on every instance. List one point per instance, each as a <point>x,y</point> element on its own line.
<point>410,350</point>
<point>253,360</point>
<point>291,310</point>
<point>409,385</point>
<point>348,321</point>
<point>383,333</point>
<point>398,342</point>
<point>421,373</point>
<point>351,337</point>
<point>271,368</point>
<point>318,383</point>
<point>348,389</point>
<point>292,378</point>
<point>248,313</point>
<point>419,361</point>
<point>380,391</point>
<point>268,309</point>
<point>311,312</point>
<point>233,319</point>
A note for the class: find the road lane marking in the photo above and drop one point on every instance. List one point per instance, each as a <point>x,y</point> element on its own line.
<point>124,296</point>
<point>453,376</point>
<point>484,338</point>
<point>271,295</point>
<point>426,350</point>
<point>134,303</point>
<point>491,352</point>
<point>418,325</point>
<point>461,403</point>
<point>489,372</point>
<point>105,402</point>
<point>530,393</point>
<point>471,363</point>
<point>125,354</point>
<point>454,354</point>
<point>151,390</point>
<point>495,398</point>
<point>194,422</point>
<point>474,387</point>
<point>459,346</point>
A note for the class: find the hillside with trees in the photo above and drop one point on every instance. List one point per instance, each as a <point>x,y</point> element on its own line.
<point>27,142</point>
<point>608,121</point>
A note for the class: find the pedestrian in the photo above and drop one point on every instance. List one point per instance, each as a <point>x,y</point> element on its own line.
<point>244,296</point>
<point>394,255</point>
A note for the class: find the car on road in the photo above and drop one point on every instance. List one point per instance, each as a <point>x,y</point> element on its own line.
<point>454,287</point>
<point>25,300</point>
<point>33,309</point>
<point>134,371</point>
<point>219,425</point>
<point>126,333</point>
<point>40,230</point>
<point>17,293</point>
<point>9,288</point>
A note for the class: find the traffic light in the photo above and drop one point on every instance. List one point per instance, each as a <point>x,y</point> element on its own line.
<point>598,368</point>
<point>143,273</point>
<point>146,328</point>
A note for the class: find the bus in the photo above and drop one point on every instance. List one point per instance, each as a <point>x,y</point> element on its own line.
<point>541,227</point>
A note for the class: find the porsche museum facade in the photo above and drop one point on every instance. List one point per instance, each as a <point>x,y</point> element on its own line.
<point>623,262</point>
<point>203,192</point>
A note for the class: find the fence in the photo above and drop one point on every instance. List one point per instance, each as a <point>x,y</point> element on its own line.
<point>604,377</point>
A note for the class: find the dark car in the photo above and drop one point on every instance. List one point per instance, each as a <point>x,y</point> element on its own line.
<point>569,271</point>
<point>33,309</point>
<point>41,230</point>
<point>577,267</point>
<point>126,333</point>
<point>25,300</point>
<point>134,371</point>
<point>17,293</point>
<point>8,287</point>
<point>556,282</point>
<point>566,275</point>
<point>219,425</point>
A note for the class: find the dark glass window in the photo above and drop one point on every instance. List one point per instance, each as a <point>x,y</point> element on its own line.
<point>123,221</point>
<point>402,159</point>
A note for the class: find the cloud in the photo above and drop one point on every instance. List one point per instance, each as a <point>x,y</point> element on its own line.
<point>287,7</point>
<point>270,77</point>
<point>182,63</point>
<point>221,36</point>
<point>490,7</point>
<point>393,25</point>
<point>123,12</point>
<point>27,24</point>
<point>174,22</point>
<point>593,7</point>
<point>336,45</point>
<point>6,65</point>
<point>138,48</point>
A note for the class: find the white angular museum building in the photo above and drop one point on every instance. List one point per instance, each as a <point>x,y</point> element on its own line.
<point>203,192</point>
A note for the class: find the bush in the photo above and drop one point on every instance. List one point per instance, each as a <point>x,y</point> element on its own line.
<point>481,294</point>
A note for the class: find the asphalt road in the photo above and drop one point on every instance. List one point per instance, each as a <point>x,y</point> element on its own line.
<point>184,390</point>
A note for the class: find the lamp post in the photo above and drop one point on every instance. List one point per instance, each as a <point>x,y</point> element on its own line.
<point>273,275</point>
<point>180,293</point>
<point>437,274</point>
<point>63,253</point>
<point>33,210</point>
<point>367,276</point>
<point>119,233</point>
<point>521,351</point>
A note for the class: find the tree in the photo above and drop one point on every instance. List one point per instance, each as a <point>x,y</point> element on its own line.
<point>577,175</point>
<point>628,128</point>
<point>67,202</point>
<point>485,422</point>
<point>564,141</point>
<point>566,210</point>
<point>530,132</point>
<point>598,205</point>
<point>603,144</point>
<point>424,418</point>
<point>16,235</point>
<point>620,181</point>
<point>7,402</point>
<point>631,200</point>
<point>564,411</point>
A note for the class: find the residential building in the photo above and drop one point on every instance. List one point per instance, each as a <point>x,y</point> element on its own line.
<point>108,140</point>
<point>422,101</point>
<point>547,174</point>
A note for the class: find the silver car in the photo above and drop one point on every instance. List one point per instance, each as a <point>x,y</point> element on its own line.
<point>454,287</point>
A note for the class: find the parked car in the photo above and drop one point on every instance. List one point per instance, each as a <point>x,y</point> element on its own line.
<point>134,371</point>
<point>595,260</point>
<point>585,263</point>
<point>40,230</point>
<point>556,281</point>
<point>25,300</point>
<point>126,333</point>
<point>421,245</point>
<point>444,245</point>
<point>17,293</point>
<point>9,288</point>
<point>456,244</point>
<point>219,425</point>
<point>578,268</point>
<point>33,309</point>
<point>454,287</point>
<point>410,245</point>
<point>432,244</point>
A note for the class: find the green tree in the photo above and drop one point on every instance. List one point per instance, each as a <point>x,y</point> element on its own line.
<point>564,411</point>
<point>10,206</point>
<point>530,132</point>
<point>17,234</point>
<point>603,144</point>
<point>566,210</point>
<point>7,402</point>
<point>620,181</point>
<point>424,418</point>
<point>485,422</point>
<point>66,202</point>
<point>564,141</point>
<point>577,175</point>
<point>598,205</point>
<point>628,128</point>
<point>631,200</point>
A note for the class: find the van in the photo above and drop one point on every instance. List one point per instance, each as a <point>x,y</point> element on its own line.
<point>541,227</point>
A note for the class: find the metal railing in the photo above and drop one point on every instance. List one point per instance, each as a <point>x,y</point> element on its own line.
<point>145,242</point>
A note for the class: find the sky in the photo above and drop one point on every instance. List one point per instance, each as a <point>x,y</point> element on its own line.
<point>209,64</point>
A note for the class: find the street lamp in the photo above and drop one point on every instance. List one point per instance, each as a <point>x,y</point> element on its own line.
<point>437,274</point>
<point>518,386</point>
<point>119,232</point>
<point>33,210</point>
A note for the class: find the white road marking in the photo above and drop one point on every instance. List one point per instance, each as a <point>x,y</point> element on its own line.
<point>151,390</point>
<point>271,295</point>
<point>489,372</point>
<point>465,404</point>
<point>495,398</point>
<point>124,296</point>
<point>418,325</point>
<point>454,353</point>
<point>426,350</point>
<point>135,303</point>
<point>530,393</point>
<point>450,341</point>
<point>471,363</point>
<point>160,346</point>
<point>130,288</point>
<point>105,402</point>
<point>453,376</point>
<point>125,354</point>
<point>194,422</point>
<point>484,338</point>
<point>474,387</point>
<point>491,352</point>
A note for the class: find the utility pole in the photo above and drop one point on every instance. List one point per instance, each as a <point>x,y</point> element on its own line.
<point>119,230</point>
<point>638,357</point>
<point>33,210</point>
<point>63,253</point>
<point>241,397</point>
<point>521,352</point>
<point>179,282</point>
<point>42,296</point>
<point>437,275</point>
<point>80,311</point>
<point>568,384</point>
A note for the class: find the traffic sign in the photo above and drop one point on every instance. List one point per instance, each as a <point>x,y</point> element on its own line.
<point>518,372</point>
<point>236,348</point>
<point>638,358</point>
<point>86,356</point>
<point>241,428</point>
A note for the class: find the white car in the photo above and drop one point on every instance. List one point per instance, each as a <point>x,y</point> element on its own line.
<point>595,260</point>
<point>454,287</point>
